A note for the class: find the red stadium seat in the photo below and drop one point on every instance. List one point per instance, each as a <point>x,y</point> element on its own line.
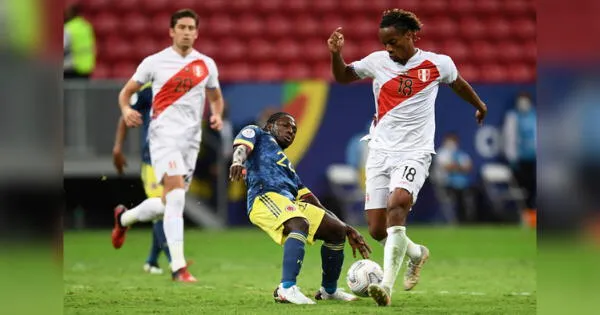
<point>251,25</point>
<point>368,46</point>
<point>487,6</point>
<point>125,6</point>
<point>457,50</point>
<point>242,6</point>
<point>353,6</point>
<point>428,45</point>
<point>123,70</point>
<point>498,27</point>
<point>314,49</point>
<point>510,51</point>
<point>156,6</point>
<point>462,7</point>
<point>472,28</point>
<point>322,71</point>
<point>209,47</point>
<point>93,6</point>
<point>297,71</point>
<point>296,6</point>
<point>136,24</point>
<point>442,27</point>
<point>231,50</point>
<point>494,73</point>
<point>522,73</point>
<point>214,6</point>
<point>116,49</point>
<point>105,24</point>
<point>350,53</point>
<point>286,50</point>
<point>278,26</point>
<point>268,6</point>
<point>259,50</point>
<point>530,51</point>
<point>268,71</point>
<point>307,25</point>
<point>221,24</point>
<point>324,6</point>
<point>160,24</point>
<point>483,51</point>
<point>101,71</point>
<point>362,26</point>
<point>469,72</point>
<point>376,7</point>
<point>525,28</point>
<point>432,7</point>
<point>144,46</point>
<point>516,7</point>
<point>332,21</point>
<point>241,71</point>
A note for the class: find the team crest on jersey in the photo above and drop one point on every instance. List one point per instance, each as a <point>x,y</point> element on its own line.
<point>290,208</point>
<point>424,74</point>
<point>248,133</point>
<point>198,71</point>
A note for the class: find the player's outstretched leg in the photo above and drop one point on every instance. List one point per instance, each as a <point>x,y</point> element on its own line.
<point>333,234</point>
<point>293,255</point>
<point>146,211</point>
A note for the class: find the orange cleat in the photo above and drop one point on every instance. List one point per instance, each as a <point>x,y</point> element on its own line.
<point>183,275</point>
<point>118,232</point>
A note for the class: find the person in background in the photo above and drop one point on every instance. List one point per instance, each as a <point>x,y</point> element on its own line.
<point>79,45</point>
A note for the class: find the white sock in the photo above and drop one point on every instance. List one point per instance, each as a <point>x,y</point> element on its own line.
<point>413,251</point>
<point>173,225</point>
<point>146,211</point>
<point>393,255</point>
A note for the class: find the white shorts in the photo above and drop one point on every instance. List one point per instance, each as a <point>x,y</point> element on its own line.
<point>387,171</point>
<point>173,153</point>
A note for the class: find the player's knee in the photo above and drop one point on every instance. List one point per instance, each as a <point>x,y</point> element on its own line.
<point>377,231</point>
<point>399,205</point>
<point>337,235</point>
<point>296,224</point>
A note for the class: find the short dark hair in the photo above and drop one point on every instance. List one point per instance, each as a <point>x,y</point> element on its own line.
<point>400,19</point>
<point>273,118</point>
<point>183,13</point>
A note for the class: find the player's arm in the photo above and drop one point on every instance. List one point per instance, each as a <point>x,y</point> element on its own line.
<point>237,171</point>
<point>119,160</point>
<point>466,92</point>
<point>215,98</point>
<point>131,117</point>
<point>342,72</point>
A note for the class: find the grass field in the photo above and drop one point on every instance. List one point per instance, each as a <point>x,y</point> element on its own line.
<point>472,270</point>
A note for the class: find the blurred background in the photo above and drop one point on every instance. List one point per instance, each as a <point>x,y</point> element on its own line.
<point>272,55</point>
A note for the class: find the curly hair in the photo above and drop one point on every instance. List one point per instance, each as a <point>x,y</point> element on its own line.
<point>273,118</point>
<point>400,19</point>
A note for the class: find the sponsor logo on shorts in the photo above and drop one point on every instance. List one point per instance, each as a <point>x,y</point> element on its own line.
<point>248,133</point>
<point>290,208</point>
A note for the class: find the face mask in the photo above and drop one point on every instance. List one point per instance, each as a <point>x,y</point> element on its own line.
<point>523,104</point>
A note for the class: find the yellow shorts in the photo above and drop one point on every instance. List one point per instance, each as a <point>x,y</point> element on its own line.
<point>151,186</point>
<point>271,210</point>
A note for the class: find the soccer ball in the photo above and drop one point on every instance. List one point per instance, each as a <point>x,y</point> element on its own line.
<point>361,274</point>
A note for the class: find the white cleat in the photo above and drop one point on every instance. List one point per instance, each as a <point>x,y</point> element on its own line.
<point>153,270</point>
<point>380,294</point>
<point>413,269</point>
<point>339,295</point>
<point>291,295</point>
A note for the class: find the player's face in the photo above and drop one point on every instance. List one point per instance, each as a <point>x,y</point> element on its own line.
<point>398,45</point>
<point>284,131</point>
<point>184,33</point>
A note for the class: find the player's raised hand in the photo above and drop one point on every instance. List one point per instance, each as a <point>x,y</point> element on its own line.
<point>336,41</point>
<point>132,117</point>
<point>237,172</point>
<point>357,241</point>
<point>119,161</point>
<point>216,122</point>
<point>480,115</point>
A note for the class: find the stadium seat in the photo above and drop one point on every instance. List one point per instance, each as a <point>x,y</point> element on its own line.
<point>209,47</point>
<point>525,28</point>
<point>115,49</point>
<point>259,50</point>
<point>105,24</point>
<point>315,49</point>
<point>353,6</point>
<point>123,70</point>
<point>231,49</point>
<point>95,6</point>
<point>159,27</point>
<point>297,71</point>
<point>324,6</point>
<point>483,51</point>
<point>513,8</point>
<point>487,6</point>
<point>462,7</point>
<point>361,26</point>
<point>510,51</point>
<point>457,50</point>
<point>469,72</point>
<point>144,46</point>
<point>221,25</point>
<point>440,28</point>
<point>428,45</point>
<point>268,6</point>
<point>125,6</point>
<point>322,71</point>
<point>242,6</point>
<point>498,27</point>
<point>296,6</point>
<point>135,24</point>
<point>101,71</point>
<point>286,50</point>
<point>472,28</point>
<point>330,22</point>
<point>521,72</point>
<point>278,26</point>
<point>269,71</point>
<point>307,25</point>
<point>530,51</point>
<point>494,73</point>
<point>214,6</point>
<point>251,25</point>
<point>241,71</point>
<point>432,7</point>
<point>376,7</point>
<point>156,6</point>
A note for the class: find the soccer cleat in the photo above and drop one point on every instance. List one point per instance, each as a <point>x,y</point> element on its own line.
<point>118,232</point>
<point>380,294</point>
<point>183,275</point>
<point>413,269</point>
<point>153,269</point>
<point>339,295</point>
<point>291,295</point>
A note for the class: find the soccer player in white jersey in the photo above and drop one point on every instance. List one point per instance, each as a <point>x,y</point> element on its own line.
<point>405,85</point>
<point>180,76</point>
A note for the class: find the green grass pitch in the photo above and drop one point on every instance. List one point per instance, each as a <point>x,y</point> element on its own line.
<point>472,270</point>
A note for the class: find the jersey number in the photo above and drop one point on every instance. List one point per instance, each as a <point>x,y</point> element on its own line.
<point>405,87</point>
<point>183,84</point>
<point>409,173</point>
<point>285,162</point>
